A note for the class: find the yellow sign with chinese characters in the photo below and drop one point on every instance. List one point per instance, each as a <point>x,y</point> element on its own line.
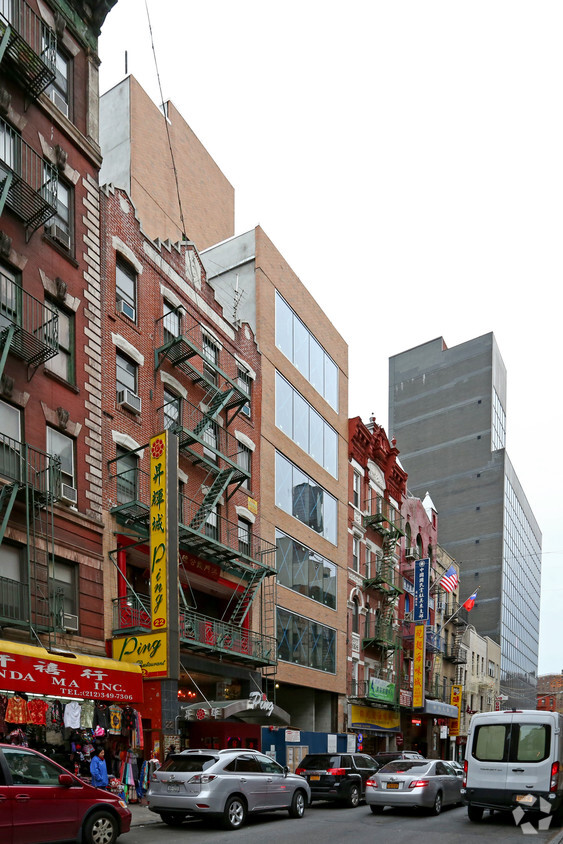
<point>418,669</point>
<point>455,700</point>
<point>158,529</point>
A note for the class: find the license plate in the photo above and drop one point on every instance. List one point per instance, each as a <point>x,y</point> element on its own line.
<point>315,777</point>
<point>528,799</point>
<point>392,785</point>
<point>173,789</point>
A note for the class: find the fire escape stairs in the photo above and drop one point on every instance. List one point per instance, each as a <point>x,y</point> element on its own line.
<point>211,497</point>
<point>245,598</point>
<point>218,401</point>
<point>7,498</point>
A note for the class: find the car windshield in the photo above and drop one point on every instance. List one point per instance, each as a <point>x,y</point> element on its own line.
<point>321,760</point>
<point>400,766</point>
<point>188,764</point>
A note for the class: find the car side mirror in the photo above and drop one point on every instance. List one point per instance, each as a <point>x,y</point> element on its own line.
<point>285,770</point>
<point>66,780</point>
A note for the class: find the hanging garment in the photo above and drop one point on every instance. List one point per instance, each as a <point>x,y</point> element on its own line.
<point>72,715</point>
<point>115,720</point>
<point>3,705</point>
<point>128,719</point>
<point>87,715</point>
<point>37,712</point>
<point>55,716</point>
<point>101,716</point>
<point>16,711</point>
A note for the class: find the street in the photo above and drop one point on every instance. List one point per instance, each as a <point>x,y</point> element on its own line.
<point>329,823</point>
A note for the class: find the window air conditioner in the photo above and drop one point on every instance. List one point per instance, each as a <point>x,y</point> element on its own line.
<point>124,307</point>
<point>58,233</point>
<point>69,493</point>
<point>59,101</point>
<point>131,401</point>
<point>70,622</point>
<point>410,553</point>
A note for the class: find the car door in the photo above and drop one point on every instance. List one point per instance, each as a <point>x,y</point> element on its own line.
<point>365,766</point>
<point>253,782</point>
<point>279,787</point>
<point>454,783</point>
<point>444,782</point>
<point>5,807</point>
<point>42,809</point>
<point>529,756</point>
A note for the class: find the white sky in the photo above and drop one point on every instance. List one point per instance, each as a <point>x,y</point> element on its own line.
<point>406,158</point>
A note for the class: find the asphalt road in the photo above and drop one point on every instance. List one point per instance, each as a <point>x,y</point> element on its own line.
<point>328,824</point>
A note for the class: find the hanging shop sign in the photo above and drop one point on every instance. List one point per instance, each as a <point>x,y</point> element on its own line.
<point>421,589</point>
<point>418,665</point>
<point>371,718</point>
<point>455,700</point>
<point>158,533</point>
<point>148,650</point>
<point>34,670</point>
<point>381,690</point>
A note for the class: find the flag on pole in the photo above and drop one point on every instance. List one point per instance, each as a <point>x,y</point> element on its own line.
<point>470,603</point>
<point>450,580</point>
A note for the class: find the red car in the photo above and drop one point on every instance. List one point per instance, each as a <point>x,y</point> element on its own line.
<point>42,802</point>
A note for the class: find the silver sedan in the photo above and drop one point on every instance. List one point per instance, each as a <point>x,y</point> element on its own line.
<point>423,783</point>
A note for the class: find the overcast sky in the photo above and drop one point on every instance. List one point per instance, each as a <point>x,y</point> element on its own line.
<point>406,158</point>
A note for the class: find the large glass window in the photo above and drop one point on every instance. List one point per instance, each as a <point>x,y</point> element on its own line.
<point>305,571</point>
<point>305,642</point>
<point>301,422</point>
<point>297,343</point>
<point>300,496</point>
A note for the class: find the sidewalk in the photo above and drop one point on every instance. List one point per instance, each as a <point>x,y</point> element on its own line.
<point>141,815</point>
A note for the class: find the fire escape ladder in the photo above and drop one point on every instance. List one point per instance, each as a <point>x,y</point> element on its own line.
<point>7,498</point>
<point>211,497</point>
<point>218,401</point>
<point>246,597</point>
<point>6,337</point>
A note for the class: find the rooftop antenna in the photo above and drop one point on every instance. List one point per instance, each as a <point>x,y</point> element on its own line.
<point>125,62</point>
<point>238,294</point>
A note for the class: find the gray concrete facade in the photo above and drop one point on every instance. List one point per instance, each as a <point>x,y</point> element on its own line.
<point>447,411</point>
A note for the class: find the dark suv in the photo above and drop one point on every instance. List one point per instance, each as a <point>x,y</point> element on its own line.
<point>337,776</point>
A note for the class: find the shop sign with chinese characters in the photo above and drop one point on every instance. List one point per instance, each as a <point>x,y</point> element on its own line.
<point>418,667</point>
<point>158,534</point>
<point>36,671</point>
<point>421,589</point>
<point>455,700</point>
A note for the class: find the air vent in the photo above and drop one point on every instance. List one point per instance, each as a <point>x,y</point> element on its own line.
<point>131,401</point>
<point>69,494</point>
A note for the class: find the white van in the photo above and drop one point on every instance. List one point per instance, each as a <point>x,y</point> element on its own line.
<point>513,758</point>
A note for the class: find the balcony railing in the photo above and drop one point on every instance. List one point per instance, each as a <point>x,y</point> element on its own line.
<point>386,578</point>
<point>30,467</point>
<point>380,633</point>
<point>31,327</point>
<point>17,598</point>
<point>205,634</point>
<point>383,517</point>
<point>456,654</point>
<point>185,344</point>
<point>28,183</point>
<point>129,490</point>
<point>221,540</point>
<point>131,614</point>
<point>201,437</point>
<point>28,47</point>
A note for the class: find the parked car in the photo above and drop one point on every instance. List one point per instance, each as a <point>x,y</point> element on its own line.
<point>338,776</point>
<point>391,755</point>
<point>40,802</point>
<point>457,766</point>
<point>424,783</point>
<point>228,784</point>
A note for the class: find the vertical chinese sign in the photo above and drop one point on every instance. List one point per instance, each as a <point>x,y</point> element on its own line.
<point>455,700</point>
<point>421,589</point>
<point>164,544</point>
<point>418,667</point>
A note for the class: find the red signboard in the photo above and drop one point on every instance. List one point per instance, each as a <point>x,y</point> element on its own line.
<point>24,668</point>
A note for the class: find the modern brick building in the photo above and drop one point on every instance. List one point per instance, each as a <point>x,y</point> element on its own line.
<point>447,408</point>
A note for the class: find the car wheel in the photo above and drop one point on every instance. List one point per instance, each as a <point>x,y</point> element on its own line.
<point>234,814</point>
<point>353,797</point>
<point>474,813</point>
<point>171,819</point>
<point>100,828</point>
<point>376,810</point>
<point>437,807</point>
<point>297,808</point>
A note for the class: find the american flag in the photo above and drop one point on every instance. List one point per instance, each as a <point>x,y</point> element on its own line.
<point>450,580</point>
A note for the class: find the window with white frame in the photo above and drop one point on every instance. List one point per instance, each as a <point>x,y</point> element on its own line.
<point>126,289</point>
<point>59,90</point>
<point>63,585</point>
<point>172,322</point>
<point>244,460</point>
<point>126,372</point>
<point>356,491</point>
<point>244,536</point>
<point>210,358</point>
<point>62,446</point>
<point>60,227</point>
<point>171,409</point>
<point>62,364</point>
<point>244,381</point>
<point>355,553</point>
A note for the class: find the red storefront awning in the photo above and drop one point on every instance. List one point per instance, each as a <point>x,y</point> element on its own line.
<point>25,668</point>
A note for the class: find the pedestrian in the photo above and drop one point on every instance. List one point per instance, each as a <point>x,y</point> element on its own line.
<point>98,769</point>
<point>171,751</point>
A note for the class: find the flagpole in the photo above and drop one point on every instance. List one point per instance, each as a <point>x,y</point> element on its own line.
<point>445,624</point>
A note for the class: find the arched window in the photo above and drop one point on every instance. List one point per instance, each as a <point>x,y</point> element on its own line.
<point>355,616</point>
<point>419,547</point>
<point>408,535</point>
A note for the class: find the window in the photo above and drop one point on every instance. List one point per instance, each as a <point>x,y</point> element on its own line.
<point>10,298</point>
<point>12,596</point>
<point>244,536</point>
<point>26,767</point>
<point>125,373</point>
<point>59,90</point>
<point>301,497</point>
<point>63,585</point>
<point>244,381</point>
<point>10,149</point>
<point>355,616</point>
<point>355,553</point>
<point>211,437</point>
<point>62,446</point>
<point>172,322</point>
<point>244,459</point>
<point>212,523</point>
<point>60,227</point>
<point>171,410</point>
<point>126,289</point>
<point>305,571</point>
<point>210,359</point>
<point>63,363</point>
<point>126,466</point>
<point>10,441</point>
<point>305,642</point>
<point>356,489</point>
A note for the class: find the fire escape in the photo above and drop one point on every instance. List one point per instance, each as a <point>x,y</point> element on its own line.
<point>205,440</point>
<point>382,632</point>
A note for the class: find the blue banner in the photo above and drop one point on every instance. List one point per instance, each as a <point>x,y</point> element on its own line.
<point>421,589</point>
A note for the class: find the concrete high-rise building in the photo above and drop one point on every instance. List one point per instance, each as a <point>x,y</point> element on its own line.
<point>447,409</point>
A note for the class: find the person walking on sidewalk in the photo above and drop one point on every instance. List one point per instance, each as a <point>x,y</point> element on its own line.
<point>98,769</point>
